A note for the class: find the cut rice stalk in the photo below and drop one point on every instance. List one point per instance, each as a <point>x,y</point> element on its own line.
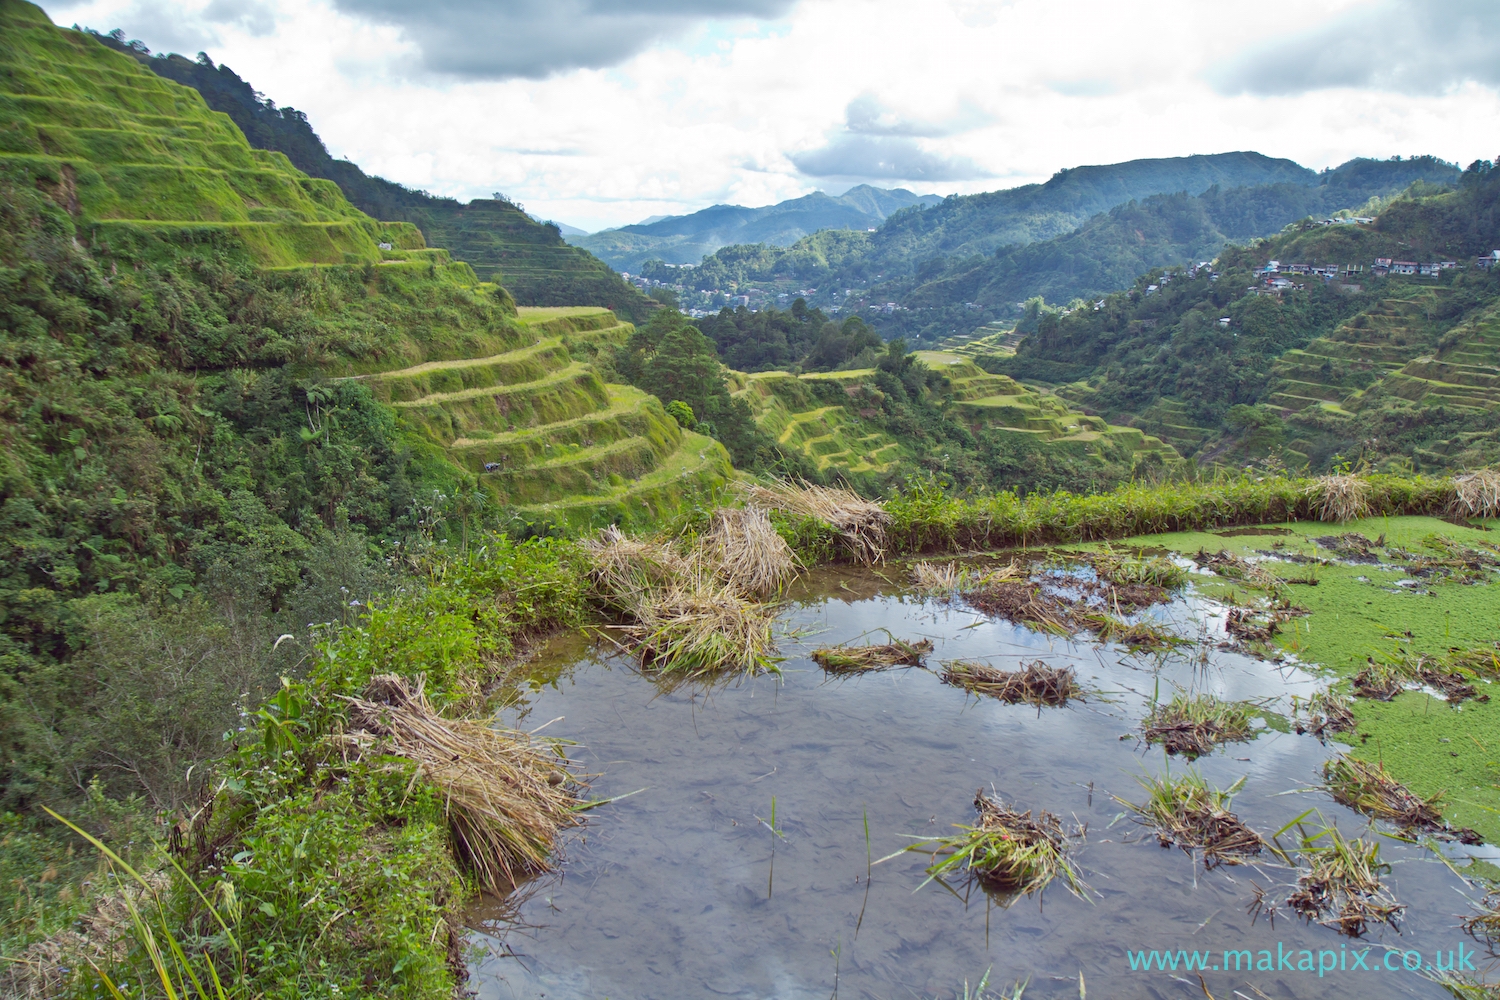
<point>1035,684</point>
<point>1341,887</point>
<point>1340,498</point>
<point>750,556</point>
<point>1477,494</point>
<point>1194,726</point>
<point>1140,635</point>
<point>862,659</point>
<point>860,523</point>
<point>504,802</point>
<point>1007,850</point>
<point>700,629</point>
<point>1185,811</point>
<point>945,580</point>
<point>1369,788</point>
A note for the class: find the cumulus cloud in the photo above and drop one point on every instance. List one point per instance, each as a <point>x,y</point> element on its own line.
<point>254,17</point>
<point>884,158</point>
<point>1383,45</point>
<point>499,39</point>
<point>865,115</point>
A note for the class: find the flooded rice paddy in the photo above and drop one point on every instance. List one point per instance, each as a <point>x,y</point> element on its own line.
<point>683,889</point>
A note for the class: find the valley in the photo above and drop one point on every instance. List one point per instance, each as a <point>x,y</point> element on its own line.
<point>1156,500</point>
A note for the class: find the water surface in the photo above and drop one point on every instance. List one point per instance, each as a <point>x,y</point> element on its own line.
<point>683,891</point>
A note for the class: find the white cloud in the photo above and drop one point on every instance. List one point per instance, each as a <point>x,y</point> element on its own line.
<point>968,95</point>
<point>1384,45</point>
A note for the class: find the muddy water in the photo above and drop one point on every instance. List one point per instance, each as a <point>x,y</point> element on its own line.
<point>681,890</point>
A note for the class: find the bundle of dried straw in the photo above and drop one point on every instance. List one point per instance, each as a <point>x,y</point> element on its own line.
<point>507,797</point>
<point>860,523</point>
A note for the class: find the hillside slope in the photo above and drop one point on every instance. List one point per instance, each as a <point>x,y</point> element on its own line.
<point>217,390</point>
<point>1393,369</point>
<point>687,239</point>
<point>499,240</point>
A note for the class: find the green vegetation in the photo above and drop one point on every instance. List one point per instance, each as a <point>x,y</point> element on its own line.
<point>968,261</point>
<point>1185,811</point>
<point>494,236</point>
<point>1392,371</point>
<point>1007,850</point>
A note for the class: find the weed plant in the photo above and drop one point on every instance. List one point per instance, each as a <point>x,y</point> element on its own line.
<point>1006,850</point>
<point>1369,788</point>
<point>1194,725</point>
<point>1184,810</point>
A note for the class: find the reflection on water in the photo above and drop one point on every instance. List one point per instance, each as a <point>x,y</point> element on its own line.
<point>683,890</point>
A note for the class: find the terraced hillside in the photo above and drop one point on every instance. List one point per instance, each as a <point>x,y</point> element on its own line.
<point>1000,404</point>
<point>831,435</point>
<point>120,147</point>
<point>836,429</point>
<point>542,432</point>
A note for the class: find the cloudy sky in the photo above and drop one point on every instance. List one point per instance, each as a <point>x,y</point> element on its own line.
<point>602,112</point>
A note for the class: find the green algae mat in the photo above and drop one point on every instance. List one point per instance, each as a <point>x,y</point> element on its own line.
<point>1382,591</point>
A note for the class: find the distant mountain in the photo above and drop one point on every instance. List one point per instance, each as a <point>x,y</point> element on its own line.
<point>498,239</point>
<point>687,239</point>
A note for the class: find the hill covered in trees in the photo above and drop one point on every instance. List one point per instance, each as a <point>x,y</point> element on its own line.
<point>494,236</point>
<point>1394,370</point>
<point>949,269</point>
<point>687,239</point>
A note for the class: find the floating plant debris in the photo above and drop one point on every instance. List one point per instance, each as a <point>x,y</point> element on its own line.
<point>1341,887</point>
<point>1194,726</point>
<point>1007,850</point>
<point>1369,788</point>
<point>1185,811</point>
<point>1035,684</point>
<point>862,659</point>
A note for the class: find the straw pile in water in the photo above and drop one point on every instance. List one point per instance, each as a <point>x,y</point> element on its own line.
<point>1340,498</point>
<point>626,572</point>
<point>860,523</point>
<point>1342,880</point>
<point>1194,726</point>
<point>1477,494</point>
<point>1186,812</point>
<point>506,796</point>
<point>750,556</point>
<point>1022,602</point>
<point>947,579</point>
<point>1009,850</point>
<point>1370,789</point>
<point>861,659</point>
<point>680,613</point>
<point>1035,684</point>
<point>701,627</point>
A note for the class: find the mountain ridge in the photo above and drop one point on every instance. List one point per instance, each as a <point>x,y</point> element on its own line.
<point>687,239</point>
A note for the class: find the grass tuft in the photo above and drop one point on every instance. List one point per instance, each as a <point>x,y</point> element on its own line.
<point>1341,886</point>
<point>1485,923</point>
<point>1194,726</point>
<point>1369,788</point>
<point>862,659</point>
<point>1007,850</point>
<point>701,628</point>
<point>1124,570</point>
<point>948,579</point>
<point>1035,684</point>
<point>1327,712</point>
<point>1185,811</point>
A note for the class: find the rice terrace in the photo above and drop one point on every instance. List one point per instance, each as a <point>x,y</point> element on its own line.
<point>1086,588</point>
